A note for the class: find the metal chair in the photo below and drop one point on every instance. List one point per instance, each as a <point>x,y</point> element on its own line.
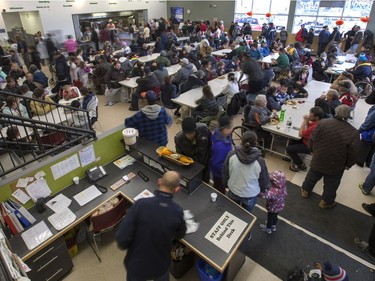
<point>106,222</point>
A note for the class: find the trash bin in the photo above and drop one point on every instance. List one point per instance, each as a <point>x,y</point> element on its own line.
<point>207,272</point>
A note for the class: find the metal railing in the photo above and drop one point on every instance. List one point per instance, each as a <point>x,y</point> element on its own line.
<point>26,139</point>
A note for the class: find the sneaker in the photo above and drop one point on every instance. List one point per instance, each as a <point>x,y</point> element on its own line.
<point>294,167</point>
<point>367,209</point>
<point>273,228</point>
<point>324,205</point>
<point>304,193</point>
<point>264,228</point>
<point>361,244</point>
<point>302,167</point>
<point>132,109</point>
<point>363,191</point>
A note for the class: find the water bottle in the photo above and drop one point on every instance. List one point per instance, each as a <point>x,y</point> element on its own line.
<point>282,114</point>
<point>289,123</point>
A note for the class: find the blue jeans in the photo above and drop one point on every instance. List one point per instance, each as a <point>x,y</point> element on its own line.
<point>369,183</point>
<point>246,203</point>
<point>164,277</point>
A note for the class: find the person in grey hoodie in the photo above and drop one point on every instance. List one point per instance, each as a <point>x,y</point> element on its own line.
<point>151,121</point>
<point>245,172</point>
<point>184,72</point>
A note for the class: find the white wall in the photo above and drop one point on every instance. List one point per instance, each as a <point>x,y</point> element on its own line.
<point>31,22</point>
<point>12,20</point>
<point>57,17</point>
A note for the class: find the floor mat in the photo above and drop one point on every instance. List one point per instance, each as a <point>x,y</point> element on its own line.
<point>339,225</point>
<point>289,247</point>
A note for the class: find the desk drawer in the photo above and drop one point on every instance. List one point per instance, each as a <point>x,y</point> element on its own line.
<point>46,254</point>
<point>50,265</point>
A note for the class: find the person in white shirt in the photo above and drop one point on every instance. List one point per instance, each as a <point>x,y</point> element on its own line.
<point>231,88</point>
<point>146,32</point>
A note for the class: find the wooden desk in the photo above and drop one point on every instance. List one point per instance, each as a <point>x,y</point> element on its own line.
<point>206,213</point>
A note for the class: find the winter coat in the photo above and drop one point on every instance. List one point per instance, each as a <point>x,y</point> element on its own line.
<point>275,196</point>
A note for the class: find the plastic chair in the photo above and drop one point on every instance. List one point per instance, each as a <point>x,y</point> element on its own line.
<point>106,222</point>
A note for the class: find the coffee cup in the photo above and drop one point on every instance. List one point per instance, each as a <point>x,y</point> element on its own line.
<point>76,180</point>
<point>213,196</point>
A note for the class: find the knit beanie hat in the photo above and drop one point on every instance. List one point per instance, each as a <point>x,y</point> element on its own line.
<point>224,122</point>
<point>333,272</point>
<point>362,57</point>
<point>189,125</point>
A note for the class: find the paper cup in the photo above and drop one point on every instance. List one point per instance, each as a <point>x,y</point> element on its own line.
<point>76,180</point>
<point>213,196</point>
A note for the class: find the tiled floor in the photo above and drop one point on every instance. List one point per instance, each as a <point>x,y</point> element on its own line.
<point>87,267</point>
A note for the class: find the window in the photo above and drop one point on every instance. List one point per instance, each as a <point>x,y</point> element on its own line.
<point>278,9</point>
<point>317,13</point>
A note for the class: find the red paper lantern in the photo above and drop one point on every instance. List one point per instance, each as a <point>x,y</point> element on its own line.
<point>268,15</point>
<point>339,22</point>
<point>364,19</point>
<point>250,13</point>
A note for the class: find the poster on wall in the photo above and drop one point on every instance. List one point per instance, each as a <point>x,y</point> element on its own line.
<point>177,14</point>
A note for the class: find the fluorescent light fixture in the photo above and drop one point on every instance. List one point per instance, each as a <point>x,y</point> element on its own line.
<point>99,14</point>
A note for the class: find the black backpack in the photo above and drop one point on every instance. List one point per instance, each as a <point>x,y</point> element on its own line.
<point>297,274</point>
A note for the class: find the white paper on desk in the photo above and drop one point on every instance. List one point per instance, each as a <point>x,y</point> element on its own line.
<point>21,196</point>
<point>39,175</point>
<point>144,194</point>
<point>36,235</point>
<point>87,195</point>
<point>59,203</point>
<point>38,189</point>
<point>87,155</point>
<point>22,182</point>
<point>65,166</point>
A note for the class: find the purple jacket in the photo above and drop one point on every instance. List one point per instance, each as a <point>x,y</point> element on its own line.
<point>275,196</point>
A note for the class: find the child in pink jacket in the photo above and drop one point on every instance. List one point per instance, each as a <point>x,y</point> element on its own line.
<point>275,200</point>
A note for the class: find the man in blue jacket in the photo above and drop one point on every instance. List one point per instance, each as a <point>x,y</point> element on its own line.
<point>148,229</point>
<point>323,39</point>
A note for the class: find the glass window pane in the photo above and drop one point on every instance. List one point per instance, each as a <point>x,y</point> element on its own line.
<point>280,21</point>
<point>330,11</point>
<point>310,22</point>
<point>243,6</point>
<point>307,7</point>
<point>262,6</point>
<point>255,21</point>
<point>280,7</point>
<point>357,8</point>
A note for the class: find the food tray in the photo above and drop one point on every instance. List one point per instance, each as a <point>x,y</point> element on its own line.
<point>274,122</point>
<point>291,102</point>
<point>176,161</point>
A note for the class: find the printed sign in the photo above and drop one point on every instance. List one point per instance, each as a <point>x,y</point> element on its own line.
<point>226,231</point>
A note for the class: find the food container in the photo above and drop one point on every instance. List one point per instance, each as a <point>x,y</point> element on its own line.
<point>130,136</point>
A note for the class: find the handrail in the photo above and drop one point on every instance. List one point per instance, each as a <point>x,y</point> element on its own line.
<point>59,134</point>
